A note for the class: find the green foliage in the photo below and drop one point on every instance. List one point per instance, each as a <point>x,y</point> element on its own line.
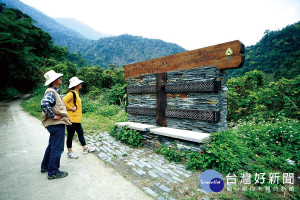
<point>254,95</point>
<point>96,77</point>
<point>92,76</point>
<point>32,104</point>
<point>99,107</point>
<point>7,93</point>
<point>250,147</point>
<point>277,53</point>
<point>259,195</point>
<point>16,48</point>
<point>226,197</point>
<point>274,193</point>
<point>77,59</point>
<point>67,68</point>
<point>129,136</point>
<point>94,93</point>
<point>171,152</point>
<point>116,94</point>
<point>273,143</point>
<point>24,50</point>
<point>108,110</point>
<point>225,153</point>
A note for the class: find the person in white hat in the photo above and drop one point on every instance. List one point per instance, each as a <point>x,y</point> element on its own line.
<point>54,118</point>
<point>74,108</point>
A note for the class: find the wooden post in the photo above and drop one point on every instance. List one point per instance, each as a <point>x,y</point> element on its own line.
<point>161,99</point>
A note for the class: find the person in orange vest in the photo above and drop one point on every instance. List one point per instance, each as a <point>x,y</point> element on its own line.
<point>74,108</point>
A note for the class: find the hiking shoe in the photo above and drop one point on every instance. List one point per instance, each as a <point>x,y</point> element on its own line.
<point>72,155</point>
<point>89,149</point>
<point>44,170</point>
<point>59,174</point>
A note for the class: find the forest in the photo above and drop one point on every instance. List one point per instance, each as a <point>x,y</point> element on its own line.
<point>277,54</point>
<point>124,49</point>
<point>263,96</point>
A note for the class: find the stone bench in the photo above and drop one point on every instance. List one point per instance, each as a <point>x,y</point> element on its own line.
<point>185,135</point>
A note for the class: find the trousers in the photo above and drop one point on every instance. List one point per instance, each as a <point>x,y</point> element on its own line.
<point>55,148</point>
<point>71,131</point>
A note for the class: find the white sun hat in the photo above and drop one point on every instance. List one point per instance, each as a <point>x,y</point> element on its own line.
<point>74,81</point>
<point>51,76</point>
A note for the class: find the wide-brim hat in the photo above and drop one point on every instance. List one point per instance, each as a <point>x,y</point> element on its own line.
<point>51,76</point>
<point>74,81</point>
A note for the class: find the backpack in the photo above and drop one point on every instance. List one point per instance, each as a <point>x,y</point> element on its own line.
<point>74,98</point>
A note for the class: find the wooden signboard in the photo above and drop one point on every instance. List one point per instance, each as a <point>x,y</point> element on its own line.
<point>227,55</point>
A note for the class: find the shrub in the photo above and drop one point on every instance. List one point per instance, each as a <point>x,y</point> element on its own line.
<point>129,136</point>
<point>225,153</point>
<point>95,93</point>
<point>253,95</point>
<point>171,153</point>
<point>115,95</point>
<point>108,110</point>
<point>99,107</point>
<point>250,147</point>
<point>273,143</point>
<point>89,105</point>
<point>33,104</point>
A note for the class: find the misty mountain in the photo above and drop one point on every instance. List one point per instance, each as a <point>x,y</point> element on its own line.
<point>61,34</point>
<point>118,50</point>
<point>81,28</point>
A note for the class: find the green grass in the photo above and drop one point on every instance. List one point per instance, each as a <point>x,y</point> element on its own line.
<point>97,116</point>
<point>96,123</point>
<point>32,106</point>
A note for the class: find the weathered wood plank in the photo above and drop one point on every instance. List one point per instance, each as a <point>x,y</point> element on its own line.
<point>161,99</point>
<point>227,55</point>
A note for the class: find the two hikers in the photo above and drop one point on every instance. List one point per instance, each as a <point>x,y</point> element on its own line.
<point>55,116</point>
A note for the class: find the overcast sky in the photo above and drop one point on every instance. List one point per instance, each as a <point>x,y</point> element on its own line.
<point>191,24</point>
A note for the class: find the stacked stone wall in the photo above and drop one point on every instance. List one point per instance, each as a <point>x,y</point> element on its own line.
<point>215,101</point>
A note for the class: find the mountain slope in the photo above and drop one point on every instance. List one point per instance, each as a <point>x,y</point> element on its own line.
<point>277,53</point>
<point>125,49</point>
<point>60,34</point>
<point>81,28</point>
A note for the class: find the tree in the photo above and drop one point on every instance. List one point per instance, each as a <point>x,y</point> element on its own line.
<point>25,51</point>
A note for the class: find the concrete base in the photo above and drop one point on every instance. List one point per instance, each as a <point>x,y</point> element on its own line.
<point>136,126</point>
<point>169,132</point>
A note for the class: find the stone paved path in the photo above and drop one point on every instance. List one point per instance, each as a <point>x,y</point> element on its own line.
<point>148,170</point>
